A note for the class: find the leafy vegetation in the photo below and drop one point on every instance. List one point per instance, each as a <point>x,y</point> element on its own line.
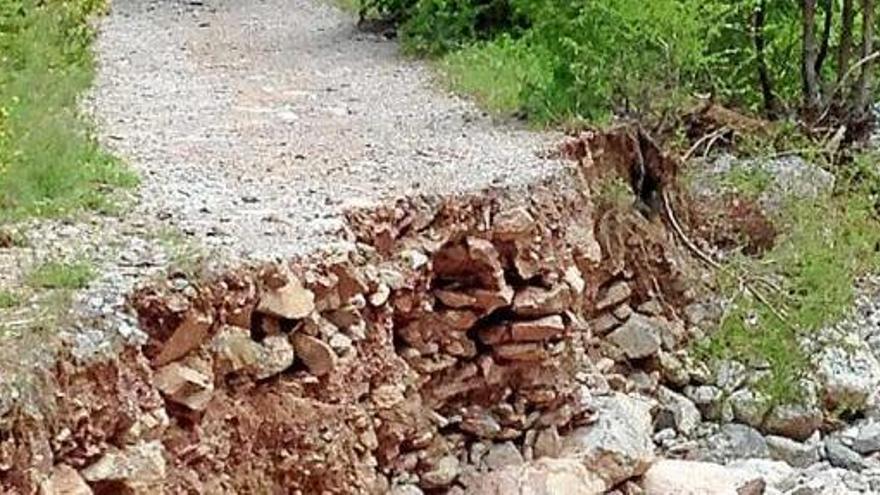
<point>562,59</point>
<point>49,162</point>
<point>9,299</point>
<point>808,279</point>
<point>61,275</point>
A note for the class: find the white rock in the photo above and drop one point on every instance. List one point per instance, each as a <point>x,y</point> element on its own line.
<point>672,477</point>
<point>848,374</point>
<point>618,445</point>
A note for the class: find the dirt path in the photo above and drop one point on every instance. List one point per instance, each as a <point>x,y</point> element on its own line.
<point>254,124</point>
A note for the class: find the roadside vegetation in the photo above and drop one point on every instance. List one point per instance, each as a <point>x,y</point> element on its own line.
<point>803,70</point>
<point>558,60</point>
<point>50,163</point>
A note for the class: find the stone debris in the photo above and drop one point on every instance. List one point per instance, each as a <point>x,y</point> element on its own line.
<point>318,356</point>
<point>796,454</point>
<point>549,327</point>
<point>617,446</point>
<point>541,477</point>
<point>277,355</point>
<point>614,295</point>
<point>674,477</point>
<point>460,357</point>
<point>189,335</point>
<point>65,480</point>
<point>292,301</point>
<point>191,384</point>
<point>848,376</point>
<point>139,468</point>
<point>637,338</point>
<point>536,301</point>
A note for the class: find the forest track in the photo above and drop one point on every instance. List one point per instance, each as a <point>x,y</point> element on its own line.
<point>254,125</point>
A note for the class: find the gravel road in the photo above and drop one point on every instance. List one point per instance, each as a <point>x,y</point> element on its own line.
<point>255,124</point>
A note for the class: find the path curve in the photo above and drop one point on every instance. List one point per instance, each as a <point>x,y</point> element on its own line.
<point>254,124</point>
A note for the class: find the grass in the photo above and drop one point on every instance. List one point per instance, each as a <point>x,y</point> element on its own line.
<point>9,299</point>
<point>827,243</point>
<point>50,163</point>
<point>496,73</point>
<point>61,275</point>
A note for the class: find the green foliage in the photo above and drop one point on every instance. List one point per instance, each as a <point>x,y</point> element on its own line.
<point>61,275</point>
<point>49,162</point>
<point>497,73</point>
<point>828,243</point>
<point>618,56</point>
<point>9,299</point>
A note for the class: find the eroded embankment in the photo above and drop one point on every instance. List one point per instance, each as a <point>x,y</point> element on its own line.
<point>463,335</point>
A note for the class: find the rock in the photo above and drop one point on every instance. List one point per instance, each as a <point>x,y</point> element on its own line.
<point>730,375</point>
<point>637,337</point>
<point>234,350</point>
<point>847,375</point>
<point>139,468</point>
<point>189,335</point>
<point>673,477</point>
<point>513,224</point>
<point>537,330</point>
<point>683,414</point>
<point>866,438</point>
<point>672,369</point>
<point>481,424</point>
<point>548,443</point>
<point>191,386</point>
<point>618,445</point>
<point>502,455</point>
<point>745,441</point>
<point>534,302</point>
<point>292,301</point>
<point>341,343</point>
<point>839,455</point>
<point>406,490</point>
<point>521,352</point>
<point>614,295</point>
<point>278,355</point>
<point>734,441</point>
<point>797,421</point>
<point>707,399</point>
<point>318,357</point>
<point>574,278</point>
<point>542,477</point>
<point>604,324</point>
<point>774,473</point>
<point>622,312</point>
<point>442,474</point>
<point>796,454</point>
<point>64,480</point>
<point>749,407</point>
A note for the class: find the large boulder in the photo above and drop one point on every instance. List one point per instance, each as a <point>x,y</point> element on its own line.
<point>618,445</point>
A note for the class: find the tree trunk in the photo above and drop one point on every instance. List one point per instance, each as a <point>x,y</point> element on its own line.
<point>866,81</point>
<point>844,50</point>
<point>763,71</point>
<point>828,7</point>
<point>810,55</point>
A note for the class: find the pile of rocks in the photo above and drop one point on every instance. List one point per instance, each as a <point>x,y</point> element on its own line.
<point>471,345</point>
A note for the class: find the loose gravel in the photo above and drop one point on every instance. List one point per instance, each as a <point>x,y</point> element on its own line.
<point>255,124</point>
